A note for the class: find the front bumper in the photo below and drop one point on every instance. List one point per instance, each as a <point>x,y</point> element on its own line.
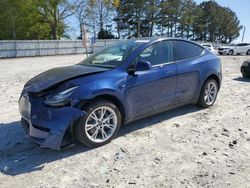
<point>224,51</point>
<point>45,125</point>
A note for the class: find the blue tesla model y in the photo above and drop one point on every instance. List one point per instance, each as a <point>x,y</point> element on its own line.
<point>132,79</point>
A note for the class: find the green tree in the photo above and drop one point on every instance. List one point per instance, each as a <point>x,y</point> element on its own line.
<point>187,18</point>
<point>54,12</point>
<point>19,20</point>
<point>215,23</point>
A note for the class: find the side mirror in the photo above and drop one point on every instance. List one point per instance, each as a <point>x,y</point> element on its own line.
<point>140,66</point>
<point>143,66</point>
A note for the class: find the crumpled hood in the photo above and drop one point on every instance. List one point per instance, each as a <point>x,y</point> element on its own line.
<point>55,76</point>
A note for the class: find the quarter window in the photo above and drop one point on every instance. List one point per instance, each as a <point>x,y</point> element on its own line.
<point>184,50</point>
<point>157,54</point>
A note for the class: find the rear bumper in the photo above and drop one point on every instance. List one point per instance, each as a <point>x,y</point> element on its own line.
<point>44,125</point>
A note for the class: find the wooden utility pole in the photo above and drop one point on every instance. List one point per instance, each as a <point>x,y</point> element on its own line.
<point>243,36</point>
<point>85,38</point>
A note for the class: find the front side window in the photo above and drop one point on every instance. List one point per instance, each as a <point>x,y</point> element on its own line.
<point>111,57</point>
<point>185,50</point>
<point>158,53</point>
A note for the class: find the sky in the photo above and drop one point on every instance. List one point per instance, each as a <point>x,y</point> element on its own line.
<point>240,7</point>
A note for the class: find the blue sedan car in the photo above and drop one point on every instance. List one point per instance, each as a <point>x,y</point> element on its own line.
<point>89,102</point>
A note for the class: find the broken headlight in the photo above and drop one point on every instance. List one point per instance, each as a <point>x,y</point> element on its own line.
<point>61,98</point>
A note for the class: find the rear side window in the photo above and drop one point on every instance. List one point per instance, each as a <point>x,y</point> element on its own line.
<point>184,50</point>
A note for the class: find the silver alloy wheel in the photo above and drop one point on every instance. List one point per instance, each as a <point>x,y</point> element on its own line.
<point>210,93</point>
<point>101,124</point>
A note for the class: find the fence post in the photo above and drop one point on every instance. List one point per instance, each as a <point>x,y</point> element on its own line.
<point>15,49</point>
<point>57,52</point>
<point>75,47</point>
<point>39,48</point>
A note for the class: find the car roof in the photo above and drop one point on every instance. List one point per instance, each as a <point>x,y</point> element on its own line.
<point>155,39</point>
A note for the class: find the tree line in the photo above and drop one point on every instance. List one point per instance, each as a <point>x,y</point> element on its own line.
<point>45,19</point>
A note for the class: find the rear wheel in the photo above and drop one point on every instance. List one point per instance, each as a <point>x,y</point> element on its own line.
<point>100,124</point>
<point>208,93</point>
<point>231,52</point>
<point>248,52</point>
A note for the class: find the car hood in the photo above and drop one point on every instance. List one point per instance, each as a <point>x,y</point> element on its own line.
<point>56,76</point>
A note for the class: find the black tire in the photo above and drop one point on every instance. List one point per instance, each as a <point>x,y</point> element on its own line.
<point>248,52</point>
<point>79,128</point>
<point>220,53</point>
<point>238,53</point>
<point>201,102</point>
<point>245,75</point>
<point>231,52</point>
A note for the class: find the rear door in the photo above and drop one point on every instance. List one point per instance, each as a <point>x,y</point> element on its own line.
<point>189,65</point>
<point>241,48</point>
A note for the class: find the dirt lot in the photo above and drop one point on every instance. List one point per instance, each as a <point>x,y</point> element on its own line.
<point>185,147</point>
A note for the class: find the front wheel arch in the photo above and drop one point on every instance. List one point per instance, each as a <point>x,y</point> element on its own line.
<point>231,52</point>
<point>80,136</point>
<point>110,98</point>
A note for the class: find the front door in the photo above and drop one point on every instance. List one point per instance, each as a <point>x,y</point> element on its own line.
<point>153,90</point>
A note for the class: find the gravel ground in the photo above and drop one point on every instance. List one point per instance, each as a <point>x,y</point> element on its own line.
<point>185,147</point>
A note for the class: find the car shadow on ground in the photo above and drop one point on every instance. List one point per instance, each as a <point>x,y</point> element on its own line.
<point>241,79</point>
<point>18,155</point>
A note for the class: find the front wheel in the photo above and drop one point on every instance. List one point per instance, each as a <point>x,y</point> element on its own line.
<point>245,75</point>
<point>100,124</point>
<point>231,52</point>
<point>248,52</point>
<point>208,93</point>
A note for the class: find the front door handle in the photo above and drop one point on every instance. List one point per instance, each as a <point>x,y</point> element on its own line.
<point>170,72</point>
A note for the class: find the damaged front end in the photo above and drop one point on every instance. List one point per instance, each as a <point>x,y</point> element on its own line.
<point>47,107</point>
<point>46,125</point>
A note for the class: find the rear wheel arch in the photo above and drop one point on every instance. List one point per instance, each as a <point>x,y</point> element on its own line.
<point>215,77</point>
<point>211,76</point>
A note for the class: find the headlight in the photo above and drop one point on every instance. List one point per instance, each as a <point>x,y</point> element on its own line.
<point>60,99</point>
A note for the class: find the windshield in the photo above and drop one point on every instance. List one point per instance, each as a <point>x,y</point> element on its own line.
<point>206,45</point>
<point>113,56</point>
